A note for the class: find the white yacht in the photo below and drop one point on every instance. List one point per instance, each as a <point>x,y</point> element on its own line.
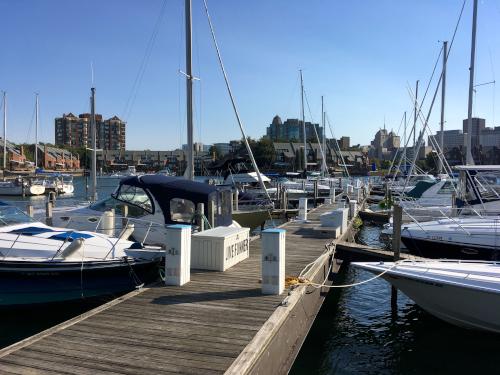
<point>463,293</point>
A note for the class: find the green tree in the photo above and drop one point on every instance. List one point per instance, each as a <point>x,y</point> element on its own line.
<point>214,152</point>
<point>264,153</point>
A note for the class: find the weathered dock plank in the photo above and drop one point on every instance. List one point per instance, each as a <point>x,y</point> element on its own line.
<point>206,326</point>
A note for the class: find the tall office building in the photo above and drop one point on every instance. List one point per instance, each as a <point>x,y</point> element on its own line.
<point>292,131</point>
<point>72,131</point>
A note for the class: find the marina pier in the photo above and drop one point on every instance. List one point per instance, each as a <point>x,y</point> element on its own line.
<point>219,322</point>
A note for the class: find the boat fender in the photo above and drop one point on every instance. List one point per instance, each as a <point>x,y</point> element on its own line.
<point>72,248</point>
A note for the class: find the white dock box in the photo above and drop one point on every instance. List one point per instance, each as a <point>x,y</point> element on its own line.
<point>219,248</point>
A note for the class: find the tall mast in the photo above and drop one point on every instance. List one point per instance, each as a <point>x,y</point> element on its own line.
<point>443,92</point>
<point>189,92</point>
<point>403,157</point>
<point>4,130</point>
<point>36,130</point>
<point>325,168</point>
<point>415,115</point>
<point>303,121</point>
<point>469,159</point>
<point>93,132</point>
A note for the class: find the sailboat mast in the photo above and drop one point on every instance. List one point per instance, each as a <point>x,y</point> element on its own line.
<point>189,91</point>
<point>469,158</point>
<point>4,130</point>
<point>324,136</point>
<point>443,92</point>
<point>303,121</point>
<point>415,115</point>
<point>36,130</point>
<point>93,130</point>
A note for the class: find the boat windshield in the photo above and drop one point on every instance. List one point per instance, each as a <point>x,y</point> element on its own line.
<point>134,196</point>
<point>10,215</point>
<point>113,203</point>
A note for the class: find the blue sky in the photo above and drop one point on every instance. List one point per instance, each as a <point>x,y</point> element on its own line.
<point>359,54</point>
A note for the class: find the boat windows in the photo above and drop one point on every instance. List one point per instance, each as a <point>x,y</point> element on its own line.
<point>134,196</point>
<point>181,210</point>
<point>112,203</point>
<point>10,215</point>
<point>447,188</point>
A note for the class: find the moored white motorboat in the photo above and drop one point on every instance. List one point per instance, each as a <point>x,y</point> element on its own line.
<point>43,264</point>
<point>19,187</point>
<point>464,293</point>
<point>475,238</point>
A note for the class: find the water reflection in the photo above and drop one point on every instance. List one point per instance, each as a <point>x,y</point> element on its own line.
<point>357,333</point>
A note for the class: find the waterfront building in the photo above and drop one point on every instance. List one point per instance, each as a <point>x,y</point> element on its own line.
<point>344,143</point>
<point>54,158</point>
<point>485,142</point>
<point>223,148</point>
<point>15,155</point>
<point>72,131</point>
<point>150,160</point>
<point>291,130</point>
<point>384,145</point>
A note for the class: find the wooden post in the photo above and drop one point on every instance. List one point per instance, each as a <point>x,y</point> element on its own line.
<point>200,209</point>
<point>396,247</point>
<point>211,214</point>
<point>52,198</point>
<point>124,216</point>
<point>48,213</point>
<point>235,200</point>
<point>396,230</point>
<point>454,204</point>
<point>30,210</point>
<point>315,193</point>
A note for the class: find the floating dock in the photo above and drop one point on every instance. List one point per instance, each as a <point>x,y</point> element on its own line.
<point>219,322</point>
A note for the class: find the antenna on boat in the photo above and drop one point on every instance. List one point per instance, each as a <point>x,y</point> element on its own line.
<point>469,159</point>
<point>36,130</point>
<point>4,130</point>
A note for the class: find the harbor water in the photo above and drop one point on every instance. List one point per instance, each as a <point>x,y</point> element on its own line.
<point>358,332</point>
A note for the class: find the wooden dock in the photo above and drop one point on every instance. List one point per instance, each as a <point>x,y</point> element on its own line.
<point>217,323</point>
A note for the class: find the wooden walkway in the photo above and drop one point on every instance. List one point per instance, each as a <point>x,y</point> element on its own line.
<point>199,328</point>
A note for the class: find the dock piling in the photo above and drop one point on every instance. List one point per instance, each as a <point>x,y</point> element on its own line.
<point>273,261</point>
<point>200,216</point>
<point>178,255</point>
<point>30,210</point>
<point>303,209</point>
<point>48,213</point>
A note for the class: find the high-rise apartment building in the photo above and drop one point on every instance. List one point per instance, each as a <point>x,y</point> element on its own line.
<point>292,131</point>
<point>72,131</point>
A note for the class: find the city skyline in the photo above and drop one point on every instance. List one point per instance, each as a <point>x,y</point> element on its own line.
<point>350,53</point>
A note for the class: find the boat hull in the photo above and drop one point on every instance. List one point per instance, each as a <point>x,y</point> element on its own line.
<point>28,283</point>
<point>460,306</point>
<point>251,219</point>
<point>448,250</point>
